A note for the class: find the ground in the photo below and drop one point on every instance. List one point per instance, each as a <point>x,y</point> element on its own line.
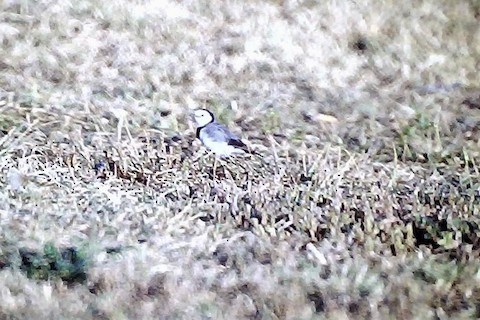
<point>364,200</point>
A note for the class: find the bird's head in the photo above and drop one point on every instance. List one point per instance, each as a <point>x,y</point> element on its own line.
<point>202,117</point>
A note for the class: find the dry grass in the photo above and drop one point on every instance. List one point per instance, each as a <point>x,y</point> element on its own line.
<point>366,203</point>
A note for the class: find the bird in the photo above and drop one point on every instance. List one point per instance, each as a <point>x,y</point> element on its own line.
<point>216,136</point>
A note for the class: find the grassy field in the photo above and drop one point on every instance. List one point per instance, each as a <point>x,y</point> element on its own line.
<point>366,204</point>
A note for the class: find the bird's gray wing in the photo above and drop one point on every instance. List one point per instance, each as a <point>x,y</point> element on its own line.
<point>219,132</point>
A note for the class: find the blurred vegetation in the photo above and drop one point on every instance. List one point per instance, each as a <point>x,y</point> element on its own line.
<point>364,202</point>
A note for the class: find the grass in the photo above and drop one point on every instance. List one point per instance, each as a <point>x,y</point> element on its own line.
<point>366,203</point>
